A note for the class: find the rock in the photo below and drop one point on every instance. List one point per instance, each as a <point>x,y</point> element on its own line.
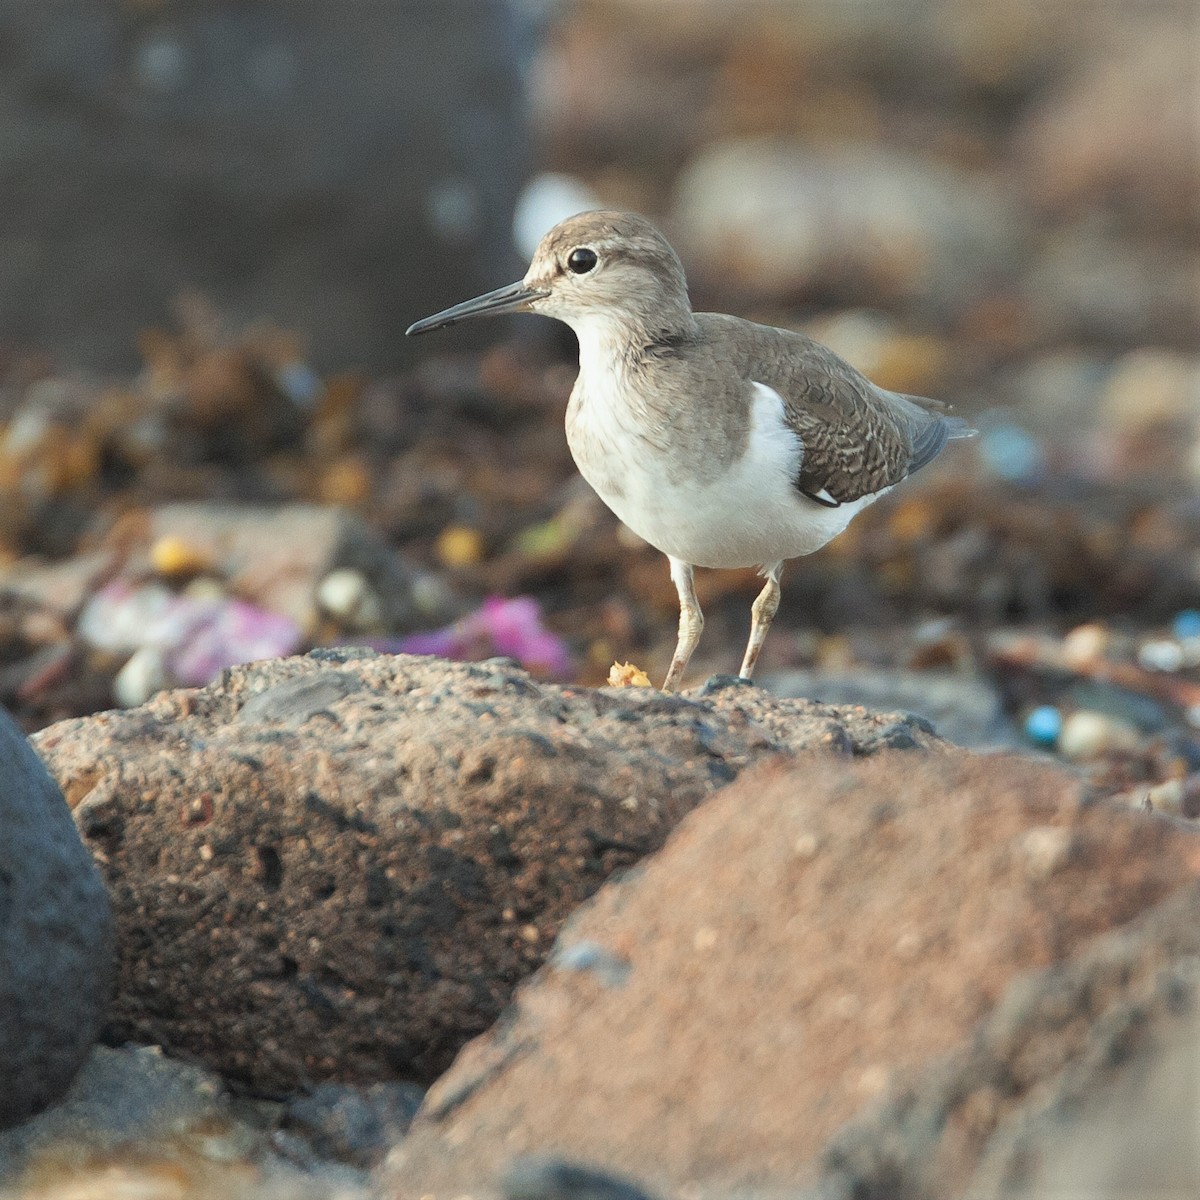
<point>352,1124</point>
<point>1117,1128</point>
<point>338,867</point>
<point>1089,284</point>
<point>1151,386</point>
<point>542,1177</point>
<point>773,219</point>
<point>59,588</point>
<point>1086,735</point>
<point>1046,1088</point>
<point>330,175</point>
<point>964,709</point>
<point>138,1124</point>
<point>1120,131</point>
<point>801,958</point>
<point>56,939</point>
<point>278,557</point>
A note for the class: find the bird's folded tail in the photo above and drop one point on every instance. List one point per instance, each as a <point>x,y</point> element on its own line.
<point>929,441</point>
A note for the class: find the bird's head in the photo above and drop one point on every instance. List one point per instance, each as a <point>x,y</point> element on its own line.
<point>604,267</point>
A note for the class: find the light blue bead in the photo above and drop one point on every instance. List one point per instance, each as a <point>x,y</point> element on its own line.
<point>1043,725</point>
<point>1186,624</point>
<point>1011,452</point>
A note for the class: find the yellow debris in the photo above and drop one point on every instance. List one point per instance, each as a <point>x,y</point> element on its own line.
<point>459,546</point>
<point>172,557</point>
<point>627,675</point>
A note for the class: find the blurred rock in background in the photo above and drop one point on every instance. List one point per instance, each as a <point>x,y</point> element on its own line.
<point>338,173</point>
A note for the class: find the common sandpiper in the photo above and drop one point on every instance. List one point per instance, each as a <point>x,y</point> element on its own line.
<point>719,441</point>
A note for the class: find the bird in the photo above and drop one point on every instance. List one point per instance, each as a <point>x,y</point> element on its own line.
<point>719,441</point>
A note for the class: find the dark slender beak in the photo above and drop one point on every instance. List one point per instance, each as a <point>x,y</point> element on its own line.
<point>513,298</point>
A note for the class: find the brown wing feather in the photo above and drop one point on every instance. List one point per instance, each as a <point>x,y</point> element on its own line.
<point>857,439</point>
<point>853,445</point>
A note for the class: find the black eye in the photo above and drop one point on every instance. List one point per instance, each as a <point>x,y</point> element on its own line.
<point>582,260</point>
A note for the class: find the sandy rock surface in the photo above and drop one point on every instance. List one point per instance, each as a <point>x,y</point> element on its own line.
<point>770,1001</point>
<point>56,937</point>
<point>340,866</point>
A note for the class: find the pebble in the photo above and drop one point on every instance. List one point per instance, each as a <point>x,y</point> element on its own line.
<point>1086,735</point>
<point>346,596</point>
<point>144,674</point>
<point>1161,655</point>
<point>1085,645</point>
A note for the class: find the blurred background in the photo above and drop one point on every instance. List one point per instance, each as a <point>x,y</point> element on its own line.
<point>215,443</point>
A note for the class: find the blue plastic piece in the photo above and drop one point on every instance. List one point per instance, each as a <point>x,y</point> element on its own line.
<point>1186,624</point>
<point>1043,725</point>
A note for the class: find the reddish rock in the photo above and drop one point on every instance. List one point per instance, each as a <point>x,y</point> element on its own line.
<point>802,954</point>
<point>339,867</point>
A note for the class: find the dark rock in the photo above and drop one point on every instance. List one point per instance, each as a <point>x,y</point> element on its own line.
<point>963,709</point>
<point>547,1178</point>
<point>334,175</point>
<point>353,896</point>
<point>356,1125</point>
<point>119,1098</point>
<point>295,700</point>
<point>805,956</point>
<point>56,939</point>
<point>134,1117</point>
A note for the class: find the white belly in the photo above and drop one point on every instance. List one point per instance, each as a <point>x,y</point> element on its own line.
<point>748,515</point>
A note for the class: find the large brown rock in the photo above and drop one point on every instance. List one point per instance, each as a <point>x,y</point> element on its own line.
<point>822,980</point>
<point>340,866</point>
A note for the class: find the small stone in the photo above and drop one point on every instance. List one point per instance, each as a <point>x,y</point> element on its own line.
<point>1161,655</point>
<point>1086,735</point>
<point>1045,850</point>
<point>346,596</point>
<point>1085,645</point>
<point>144,674</point>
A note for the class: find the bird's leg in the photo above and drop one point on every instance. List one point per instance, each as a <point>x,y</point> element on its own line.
<point>761,615</point>
<point>691,622</point>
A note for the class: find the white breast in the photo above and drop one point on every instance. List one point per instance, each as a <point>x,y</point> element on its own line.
<point>748,515</point>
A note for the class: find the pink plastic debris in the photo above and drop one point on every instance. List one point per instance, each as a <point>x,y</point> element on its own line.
<point>510,627</point>
<point>199,636</point>
<point>230,632</point>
